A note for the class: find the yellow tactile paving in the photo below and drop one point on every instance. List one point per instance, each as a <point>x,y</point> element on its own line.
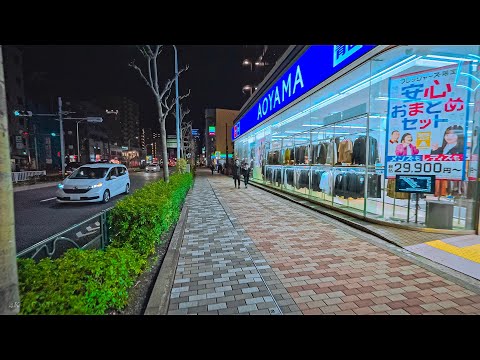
<point>471,252</point>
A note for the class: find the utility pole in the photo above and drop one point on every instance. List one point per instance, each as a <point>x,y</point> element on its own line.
<point>62,151</point>
<point>36,147</point>
<point>9,294</point>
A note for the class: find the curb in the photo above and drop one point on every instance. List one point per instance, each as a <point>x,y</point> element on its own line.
<point>34,186</point>
<point>160,296</point>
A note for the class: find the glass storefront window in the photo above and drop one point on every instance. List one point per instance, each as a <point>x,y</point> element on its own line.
<point>410,111</point>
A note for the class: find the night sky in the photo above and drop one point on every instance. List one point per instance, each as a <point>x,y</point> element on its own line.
<point>87,71</point>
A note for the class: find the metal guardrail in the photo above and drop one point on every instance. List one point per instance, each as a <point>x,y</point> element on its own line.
<point>54,246</point>
<point>25,175</point>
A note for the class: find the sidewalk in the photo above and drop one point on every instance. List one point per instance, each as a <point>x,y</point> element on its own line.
<point>247,251</point>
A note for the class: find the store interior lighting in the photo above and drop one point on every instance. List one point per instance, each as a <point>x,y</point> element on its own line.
<point>413,60</point>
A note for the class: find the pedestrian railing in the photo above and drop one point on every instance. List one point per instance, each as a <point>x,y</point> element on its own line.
<point>92,233</point>
<point>25,175</point>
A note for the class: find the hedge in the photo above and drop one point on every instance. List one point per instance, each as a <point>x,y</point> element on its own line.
<point>96,281</point>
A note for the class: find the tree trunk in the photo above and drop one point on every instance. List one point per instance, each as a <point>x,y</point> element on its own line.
<point>163,140</point>
<point>9,295</point>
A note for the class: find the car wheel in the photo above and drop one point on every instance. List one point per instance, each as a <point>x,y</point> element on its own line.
<point>127,189</point>
<point>106,196</point>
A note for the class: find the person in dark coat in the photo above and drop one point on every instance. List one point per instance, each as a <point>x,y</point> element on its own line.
<point>245,171</point>
<point>236,172</point>
<point>212,167</point>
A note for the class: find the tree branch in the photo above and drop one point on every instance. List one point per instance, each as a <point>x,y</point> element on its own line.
<point>167,87</point>
<point>132,64</point>
<point>174,101</point>
<point>150,52</point>
<point>143,51</point>
<point>150,70</point>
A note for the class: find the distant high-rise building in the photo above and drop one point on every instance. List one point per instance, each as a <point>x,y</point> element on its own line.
<point>18,128</point>
<point>258,61</point>
<point>124,126</point>
<point>218,129</point>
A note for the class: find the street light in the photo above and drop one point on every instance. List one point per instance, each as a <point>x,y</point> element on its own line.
<point>177,105</point>
<point>112,112</point>
<point>248,88</point>
<point>247,62</point>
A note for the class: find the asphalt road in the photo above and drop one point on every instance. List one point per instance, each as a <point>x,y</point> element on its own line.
<point>38,215</point>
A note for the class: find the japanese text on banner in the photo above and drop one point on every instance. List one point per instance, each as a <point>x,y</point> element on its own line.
<point>427,124</point>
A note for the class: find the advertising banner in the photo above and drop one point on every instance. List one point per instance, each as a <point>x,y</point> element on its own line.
<point>427,124</point>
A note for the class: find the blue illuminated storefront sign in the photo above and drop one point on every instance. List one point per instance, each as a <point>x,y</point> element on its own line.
<point>317,64</point>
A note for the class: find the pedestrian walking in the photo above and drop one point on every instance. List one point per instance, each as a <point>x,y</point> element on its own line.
<point>212,167</point>
<point>245,171</point>
<point>236,172</point>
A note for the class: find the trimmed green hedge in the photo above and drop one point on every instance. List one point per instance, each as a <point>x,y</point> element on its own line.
<point>95,281</point>
<point>141,219</point>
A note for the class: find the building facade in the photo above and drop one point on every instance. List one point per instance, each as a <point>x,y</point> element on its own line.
<point>18,127</point>
<point>123,127</point>
<point>385,133</point>
<point>218,127</point>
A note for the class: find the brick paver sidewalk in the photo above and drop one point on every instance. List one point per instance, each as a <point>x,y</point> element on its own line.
<point>248,251</point>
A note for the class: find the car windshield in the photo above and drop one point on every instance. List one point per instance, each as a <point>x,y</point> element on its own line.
<point>89,173</point>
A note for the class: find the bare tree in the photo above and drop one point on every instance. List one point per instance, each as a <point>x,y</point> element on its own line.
<point>183,113</point>
<point>162,96</point>
<point>9,296</point>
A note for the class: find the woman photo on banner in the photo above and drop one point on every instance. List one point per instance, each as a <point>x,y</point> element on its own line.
<point>453,141</point>
<point>406,147</point>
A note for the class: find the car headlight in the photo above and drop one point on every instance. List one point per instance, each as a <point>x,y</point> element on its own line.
<point>60,186</point>
<point>95,186</point>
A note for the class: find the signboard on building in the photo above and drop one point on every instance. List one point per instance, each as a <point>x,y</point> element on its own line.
<point>427,124</point>
<point>172,141</point>
<point>315,65</point>
<point>195,132</point>
<point>19,142</point>
<point>48,150</point>
<point>211,130</point>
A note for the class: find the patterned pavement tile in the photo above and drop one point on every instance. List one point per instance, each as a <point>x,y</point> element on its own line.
<point>321,265</point>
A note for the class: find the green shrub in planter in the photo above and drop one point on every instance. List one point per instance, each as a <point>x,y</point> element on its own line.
<point>80,282</point>
<point>181,166</point>
<point>141,218</point>
<point>96,281</point>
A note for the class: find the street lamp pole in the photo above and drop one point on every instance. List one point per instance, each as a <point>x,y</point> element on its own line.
<point>62,151</point>
<point>177,105</point>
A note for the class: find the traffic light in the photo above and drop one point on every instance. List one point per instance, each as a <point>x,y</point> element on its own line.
<point>25,134</point>
<point>53,134</point>
<point>22,113</point>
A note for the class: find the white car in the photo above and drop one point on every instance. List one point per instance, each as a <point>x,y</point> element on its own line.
<point>154,167</point>
<point>94,182</point>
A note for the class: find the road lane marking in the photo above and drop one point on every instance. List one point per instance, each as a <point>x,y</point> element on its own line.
<point>48,199</point>
<point>80,234</point>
